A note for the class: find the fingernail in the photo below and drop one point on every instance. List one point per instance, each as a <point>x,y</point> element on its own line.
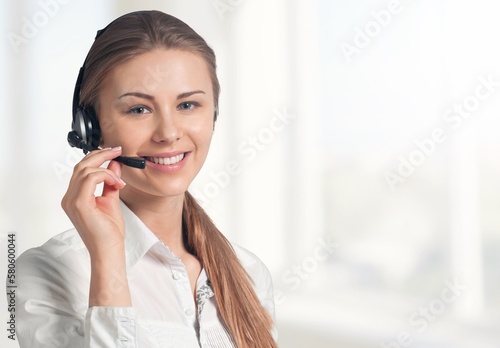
<point>117,148</point>
<point>123,182</point>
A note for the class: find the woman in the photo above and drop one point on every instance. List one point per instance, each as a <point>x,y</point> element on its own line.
<point>145,266</point>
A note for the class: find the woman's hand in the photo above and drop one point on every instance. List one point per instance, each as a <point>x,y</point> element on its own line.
<point>99,222</point>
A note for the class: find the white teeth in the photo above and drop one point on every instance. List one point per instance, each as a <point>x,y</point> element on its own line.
<point>166,160</point>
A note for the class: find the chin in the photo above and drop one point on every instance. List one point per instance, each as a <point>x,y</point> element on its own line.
<point>171,191</point>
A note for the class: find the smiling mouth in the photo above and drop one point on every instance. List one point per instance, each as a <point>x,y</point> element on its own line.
<point>166,160</point>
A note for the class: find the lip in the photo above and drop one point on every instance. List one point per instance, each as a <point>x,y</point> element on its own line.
<point>167,168</point>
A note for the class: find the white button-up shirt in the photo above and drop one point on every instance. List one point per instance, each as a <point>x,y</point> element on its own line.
<point>53,289</point>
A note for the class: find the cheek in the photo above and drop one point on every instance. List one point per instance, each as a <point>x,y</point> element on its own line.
<point>108,129</point>
<point>203,135</point>
<point>125,135</point>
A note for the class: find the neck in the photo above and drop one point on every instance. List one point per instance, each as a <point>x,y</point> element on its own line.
<point>162,215</point>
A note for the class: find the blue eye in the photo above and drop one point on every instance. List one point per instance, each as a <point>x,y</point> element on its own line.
<point>187,106</point>
<point>138,110</point>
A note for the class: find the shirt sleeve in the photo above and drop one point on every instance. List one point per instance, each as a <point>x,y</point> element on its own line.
<point>111,327</point>
<point>52,305</point>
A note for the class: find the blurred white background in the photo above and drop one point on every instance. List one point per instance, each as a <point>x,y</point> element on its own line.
<point>367,137</point>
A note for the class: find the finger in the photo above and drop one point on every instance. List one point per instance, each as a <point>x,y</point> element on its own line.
<point>116,168</point>
<point>112,191</point>
<point>87,186</point>
<point>94,159</point>
<point>97,158</point>
<point>84,182</point>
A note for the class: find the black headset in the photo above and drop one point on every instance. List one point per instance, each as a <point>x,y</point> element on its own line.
<point>85,132</point>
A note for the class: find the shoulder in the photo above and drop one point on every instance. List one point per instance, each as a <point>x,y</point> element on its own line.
<point>57,246</point>
<point>249,260</point>
<point>255,268</point>
<point>65,251</point>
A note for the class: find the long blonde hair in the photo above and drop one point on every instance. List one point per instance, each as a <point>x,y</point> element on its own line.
<point>136,33</point>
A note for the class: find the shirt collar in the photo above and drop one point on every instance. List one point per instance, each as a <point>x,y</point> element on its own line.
<point>139,240</point>
<point>138,237</point>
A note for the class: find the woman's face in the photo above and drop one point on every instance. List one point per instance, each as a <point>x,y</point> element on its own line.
<point>160,106</point>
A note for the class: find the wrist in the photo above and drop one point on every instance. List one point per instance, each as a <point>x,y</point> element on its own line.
<point>108,254</point>
<point>109,282</point>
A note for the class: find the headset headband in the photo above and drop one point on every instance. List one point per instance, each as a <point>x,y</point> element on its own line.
<point>79,80</point>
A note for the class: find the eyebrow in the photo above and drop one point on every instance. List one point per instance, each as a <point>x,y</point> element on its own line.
<point>188,94</point>
<point>150,97</point>
<point>137,94</point>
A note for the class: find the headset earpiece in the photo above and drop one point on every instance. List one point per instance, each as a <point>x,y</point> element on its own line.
<point>86,126</point>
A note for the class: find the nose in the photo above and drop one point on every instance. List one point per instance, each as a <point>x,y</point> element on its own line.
<point>167,129</point>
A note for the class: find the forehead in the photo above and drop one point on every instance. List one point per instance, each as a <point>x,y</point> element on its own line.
<point>161,70</point>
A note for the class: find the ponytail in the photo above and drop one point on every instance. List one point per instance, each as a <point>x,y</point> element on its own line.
<point>241,311</point>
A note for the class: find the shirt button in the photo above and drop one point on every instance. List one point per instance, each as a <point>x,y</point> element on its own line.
<point>189,312</point>
<point>176,275</point>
